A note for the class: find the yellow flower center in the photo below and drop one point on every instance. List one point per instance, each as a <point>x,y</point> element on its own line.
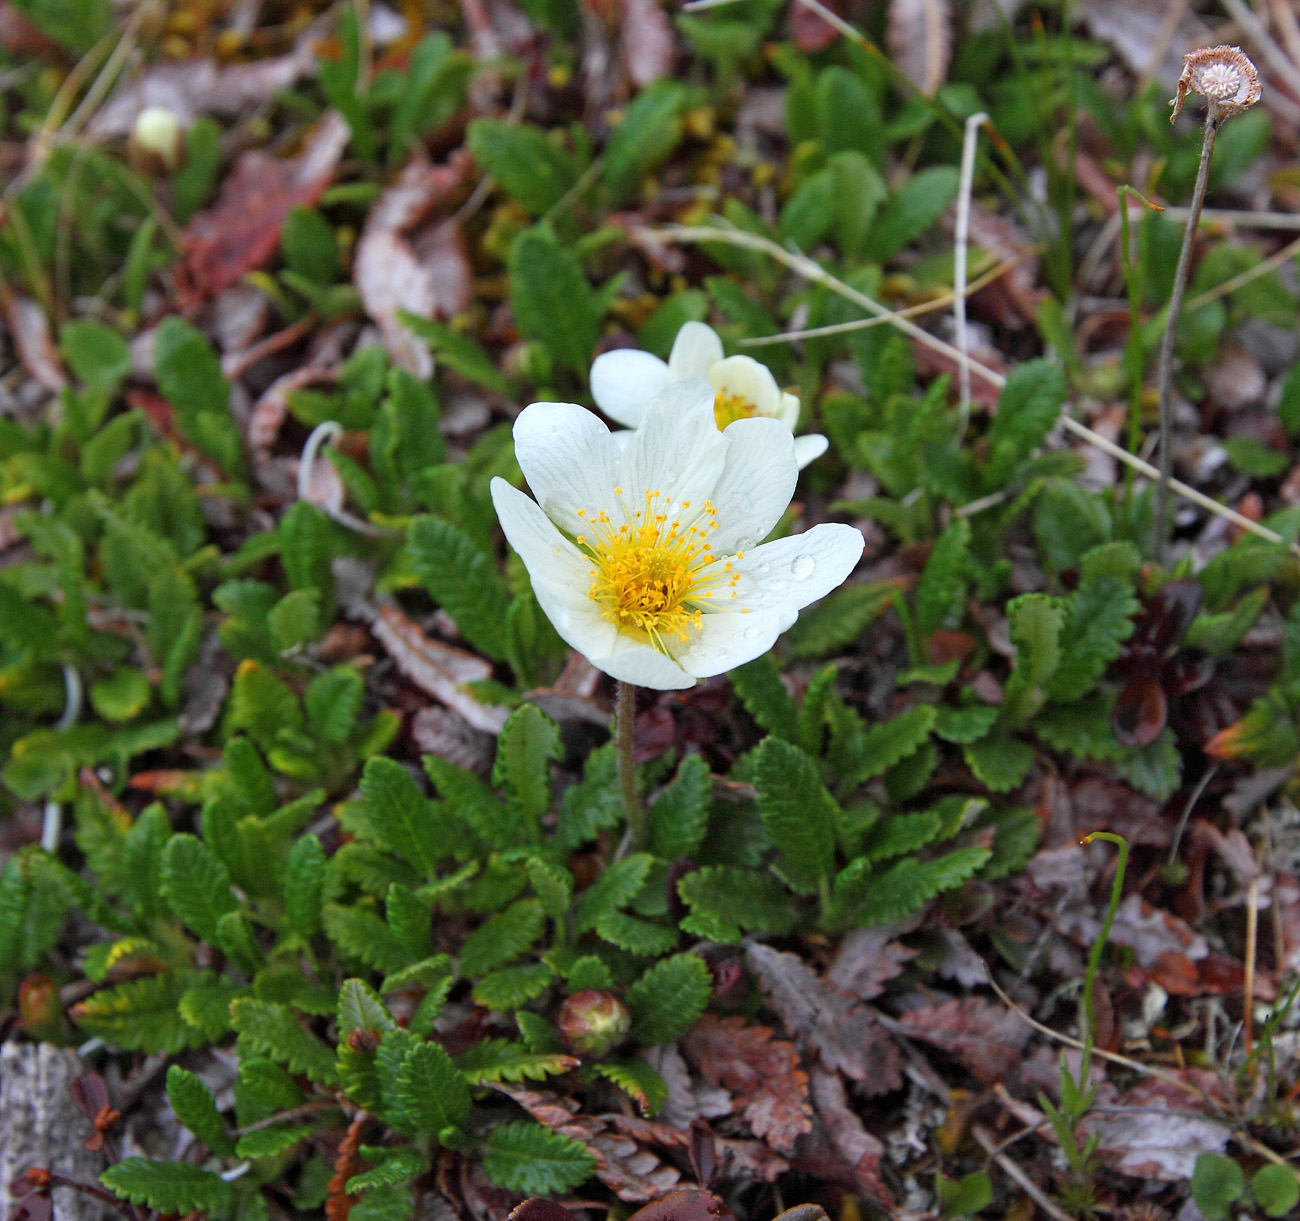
<point>728,408</point>
<point>655,573</point>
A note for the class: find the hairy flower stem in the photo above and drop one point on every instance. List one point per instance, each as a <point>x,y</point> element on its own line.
<point>1164,375</point>
<point>1089,1011</point>
<point>625,716</point>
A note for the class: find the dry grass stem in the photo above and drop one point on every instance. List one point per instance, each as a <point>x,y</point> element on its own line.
<point>969,141</point>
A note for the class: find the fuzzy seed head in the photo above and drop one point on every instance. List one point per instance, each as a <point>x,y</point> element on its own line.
<point>1223,76</point>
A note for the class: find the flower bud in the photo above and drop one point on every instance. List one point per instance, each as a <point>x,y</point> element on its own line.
<point>157,141</point>
<point>593,1023</point>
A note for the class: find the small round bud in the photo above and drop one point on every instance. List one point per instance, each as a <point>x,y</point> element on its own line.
<point>593,1023</point>
<point>157,141</point>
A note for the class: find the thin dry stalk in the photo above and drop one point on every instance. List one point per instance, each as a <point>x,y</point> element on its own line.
<point>1252,933</point>
<point>813,271</point>
<point>969,141</point>
<point>1018,1176</point>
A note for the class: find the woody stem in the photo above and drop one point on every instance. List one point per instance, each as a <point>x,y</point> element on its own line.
<point>625,716</point>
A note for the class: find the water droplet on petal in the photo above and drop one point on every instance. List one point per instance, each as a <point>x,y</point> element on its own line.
<point>753,633</point>
<point>802,567</point>
<point>764,567</point>
<point>744,543</point>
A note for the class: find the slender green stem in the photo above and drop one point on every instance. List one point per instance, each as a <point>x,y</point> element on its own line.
<point>1135,284</point>
<point>1094,958</point>
<point>625,715</point>
<point>1165,374</point>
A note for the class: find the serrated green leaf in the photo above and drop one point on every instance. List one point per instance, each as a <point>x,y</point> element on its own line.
<point>501,939</point>
<point>502,1060</point>
<point>196,885</point>
<point>456,351</point>
<point>397,1167</point>
<point>141,1014</point>
<point>271,1030</point>
<point>529,1158</point>
<point>1036,621</point>
<point>194,1106</point>
<point>364,936</point>
<point>304,880</point>
<point>889,743</point>
<point>206,1007</point>
<point>361,1008</point>
<point>462,580</point>
<point>524,160</point>
<point>635,935</point>
<point>432,1091</point>
<point>666,1001</point>
<point>650,130</point>
<point>553,884</point>
<point>592,805</point>
<point>1027,409</point>
<point>529,741</point>
<point>743,897</point>
<point>964,725</point>
<point>679,816</point>
<point>513,987</point>
<point>903,833</point>
<point>168,1187</point>
<point>798,812</point>
<point>908,213</point>
<point>638,1080</point>
<point>552,300</point>
<point>615,888</point>
<point>943,582</point>
<point>262,704</point>
<point>758,684</point>
<point>271,1142</point>
<point>1098,621</point>
<point>403,818</point>
<point>999,763</point>
<point>839,619</point>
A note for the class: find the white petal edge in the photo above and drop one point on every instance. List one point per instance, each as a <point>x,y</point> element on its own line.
<point>696,350</point>
<point>789,413</point>
<point>756,484</point>
<point>569,459</point>
<point>809,448</point>
<point>788,574</point>
<point>728,640</point>
<point>643,666</point>
<point>744,377</point>
<point>677,452</point>
<point>624,381</point>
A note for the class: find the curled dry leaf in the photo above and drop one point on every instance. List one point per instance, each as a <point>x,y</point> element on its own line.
<point>770,1088</point>
<point>35,345</point>
<point>241,231</point>
<point>437,668</point>
<point>688,1099</point>
<point>987,1038</point>
<point>919,36</point>
<point>1148,931</point>
<point>868,959</point>
<point>844,1033</point>
<point>646,41</point>
<point>860,1151</point>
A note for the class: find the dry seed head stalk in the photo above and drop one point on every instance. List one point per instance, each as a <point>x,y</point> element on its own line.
<point>1223,76</point>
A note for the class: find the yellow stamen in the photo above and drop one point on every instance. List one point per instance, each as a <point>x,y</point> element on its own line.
<point>728,408</point>
<point>651,578</point>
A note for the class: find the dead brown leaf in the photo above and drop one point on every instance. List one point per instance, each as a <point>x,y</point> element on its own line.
<point>844,1033</point>
<point>919,37</point>
<point>763,1072</point>
<point>987,1038</point>
<point>810,31</point>
<point>860,1151</point>
<point>867,960</point>
<point>30,329</point>
<point>646,41</point>
<point>241,231</point>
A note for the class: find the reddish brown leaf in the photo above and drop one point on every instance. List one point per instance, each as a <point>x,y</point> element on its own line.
<point>35,345</point>
<point>987,1038</point>
<point>241,231</point>
<point>538,1209</point>
<point>688,1204</point>
<point>811,31</point>
<point>859,1149</point>
<point>841,1031</point>
<point>646,41</point>
<point>867,960</point>
<point>764,1074</point>
<point>1140,713</point>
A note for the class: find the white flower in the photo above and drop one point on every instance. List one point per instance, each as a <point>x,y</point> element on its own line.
<point>623,382</point>
<point>647,558</point>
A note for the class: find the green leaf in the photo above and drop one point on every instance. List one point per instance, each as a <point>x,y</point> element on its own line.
<point>462,580</point>
<point>615,888</point>
<point>797,811</point>
<point>1027,409</point>
<point>271,1030</point>
<point>838,619</point>
<point>908,213</point>
<point>999,763</point>
<point>529,741</point>
<point>196,885</point>
<point>551,299</point>
<point>908,885</point>
<point>397,1167</point>
<point>189,377</point>
<point>304,880</point>
<point>512,987</point>
<point>526,1157</point>
<point>501,939</point>
<point>679,816</point>
<point>271,1142</point>
<point>903,833</point>
<point>433,1094</point>
<point>333,700</point>
<point>361,1008</point>
<point>96,354</point>
<point>592,805</point>
<point>1276,1190</point>
<point>634,935</point>
<point>168,1187</point>
<point>458,352</point>
<point>502,1060</point>
<point>403,818</point>
<point>364,936</point>
<point>553,884</point>
<point>966,1196</point>
<point>1036,621</point>
<point>524,160</point>
<point>142,1014</point>
<point>889,743</point>
<point>1252,457</point>
<point>964,725</point>
<point>262,704</point>
<point>650,130</point>
<point>309,246</point>
<point>758,683</point>
<point>666,1001</point>
<point>638,1080</point>
<point>1098,621</point>
<point>1217,1184</point>
<point>744,897</point>
<point>295,619</point>
<point>194,1106</point>
<point>943,583</point>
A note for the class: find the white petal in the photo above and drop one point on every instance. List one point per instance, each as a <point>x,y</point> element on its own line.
<point>726,641</point>
<point>696,350</point>
<point>622,437</point>
<point>808,447</point>
<point>744,377</point>
<point>643,666</point>
<point>560,573</point>
<point>678,450</point>
<point>789,412</point>
<point>623,383</point>
<point>756,484</point>
<point>569,460</point>
<point>788,574</point>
